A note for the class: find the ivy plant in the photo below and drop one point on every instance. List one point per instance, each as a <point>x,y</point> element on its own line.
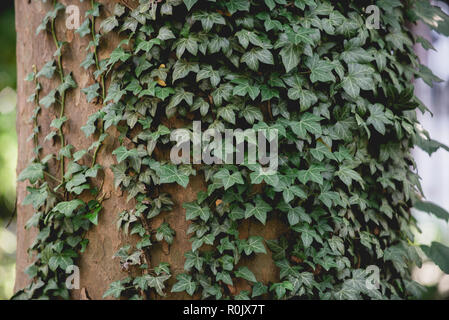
<point>340,94</point>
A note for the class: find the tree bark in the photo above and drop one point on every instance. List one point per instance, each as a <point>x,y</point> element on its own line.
<point>97,266</point>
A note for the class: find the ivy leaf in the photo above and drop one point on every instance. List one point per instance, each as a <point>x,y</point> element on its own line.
<point>245,273</point>
<point>227,113</point>
<point>114,93</point>
<point>33,173</point>
<point>302,35</point>
<point>378,118</point>
<point>259,210</point>
<point>309,123</point>
<point>251,114</point>
<point>346,175</point>
<point>115,289</point>
<point>122,153</point>
<point>246,37</point>
<point>93,215</point>
<point>357,55</point>
<point>84,28</point>
<point>439,254</point>
<point>193,260</point>
<point>165,232</point>
<point>312,174</point>
<point>109,24</point>
<point>157,283</point>
<point>89,128</point>
<point>290,55</point>
<point>209,73</point>
<point>47,71</point>
<point>298,214</point>
<point>227,179</point>
<point>67,207</point>
<point>290,192</point>
<point>225,277</point>
<point>433,16</point>
<point>321,70</point>
<point>190,3</point>
<point>208,19</point>
<point>252,58</point>
<point>336,244</point>
<point>432,208</point>
<point>254,244</point>
<point>182,68</point>
<point>237,5</point>
<point>147,45</point>
<point>193,210</point>
<point>169,174</point>
<point>259,288</point>
<point>91,92</point>
<point>189,43</point>
<point>36,196</point>
<point>57,123</point>
<point>281,288</point>
<point>60,260</point>
<point>68,83</point>
<point>245,88</point>
<point>165,34</point>
<point>48,100</point>
<point>119,10</point>
<point>118,54</point>
<point>359,77</point>
<point>261,175</point>
<point>185,282</point>
<point>223,92</point>
<point>307,234</point>
<point>321,151</point>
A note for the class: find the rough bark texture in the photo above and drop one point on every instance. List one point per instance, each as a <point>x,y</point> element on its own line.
<point>98,268</point>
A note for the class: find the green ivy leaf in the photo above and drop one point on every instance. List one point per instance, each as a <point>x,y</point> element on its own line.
<point>359,77</point>
<point>67,207</point>
<point>259,210</point>
<point>439,254</point>
<point>245,273</point>
<point>429,207</point>
<point>115,289</point>
<point>185,283</point>
<point>169,174</point>
<point>91,92</point>
<point>378,118</point>
<point>190,3</point>
<point>33,173</point>
<point>47,71</point>
<point>227,179</point>
<point>346,175</point>
<point>309,123</point>
<point>193,210</point>
<point>290,55</point>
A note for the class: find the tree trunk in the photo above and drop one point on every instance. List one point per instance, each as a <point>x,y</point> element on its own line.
<point>97,266</point>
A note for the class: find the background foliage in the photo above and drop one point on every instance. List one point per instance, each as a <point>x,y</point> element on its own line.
<point>8,143</point>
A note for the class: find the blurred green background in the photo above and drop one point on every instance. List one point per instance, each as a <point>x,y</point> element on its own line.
<point>8,147</point>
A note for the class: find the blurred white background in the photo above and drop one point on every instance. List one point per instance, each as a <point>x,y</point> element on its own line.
<point>434,170</point>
